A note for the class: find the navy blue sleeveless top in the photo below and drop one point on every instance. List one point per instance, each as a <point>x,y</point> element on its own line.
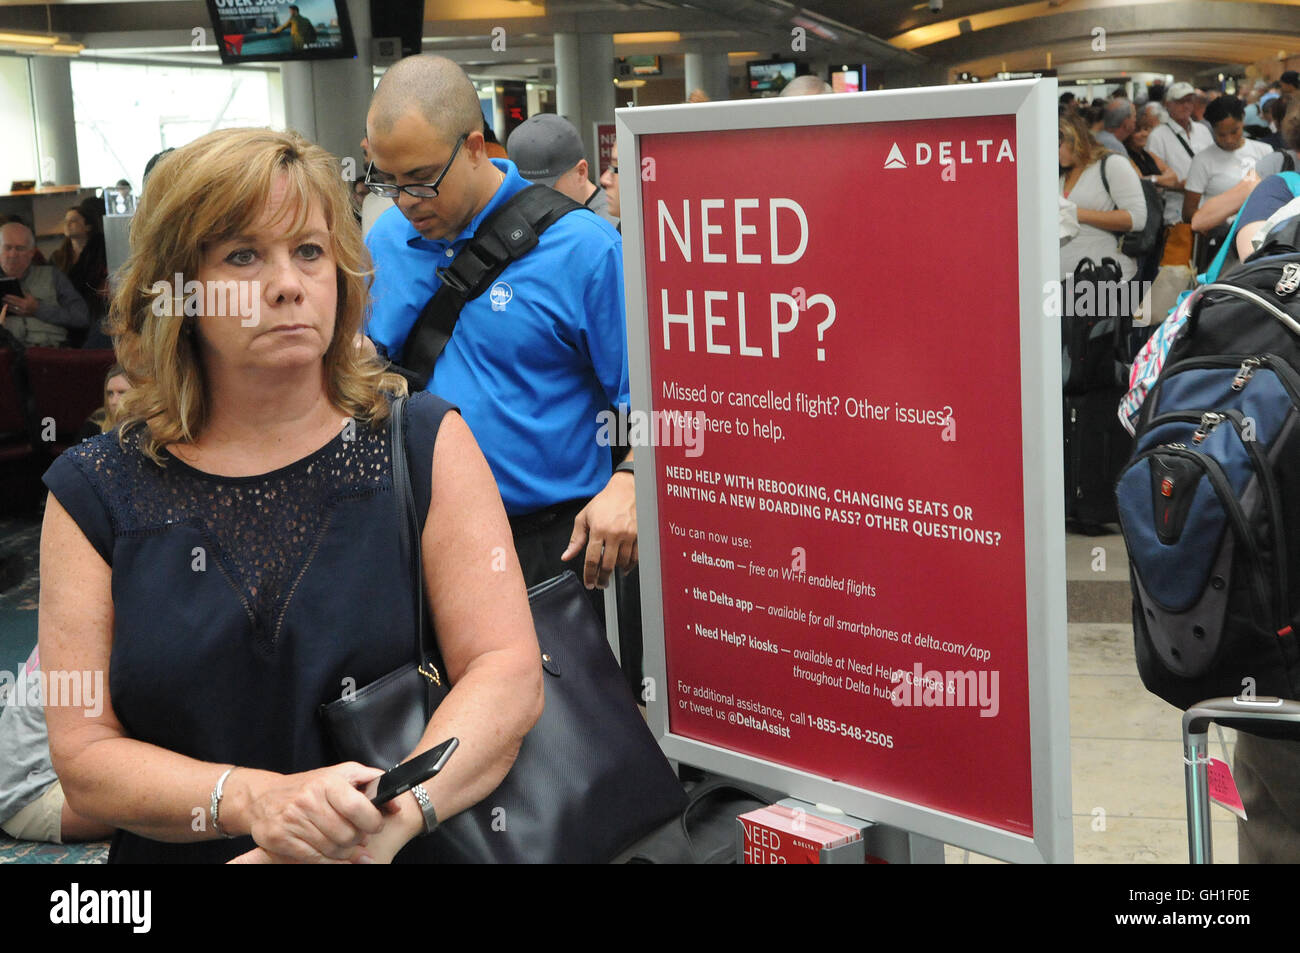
<point>242,604</point>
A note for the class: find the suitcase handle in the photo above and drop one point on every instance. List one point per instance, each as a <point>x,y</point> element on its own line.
<point>1238,713</point>
<point>1198,298</point>
<point>1241,714</point>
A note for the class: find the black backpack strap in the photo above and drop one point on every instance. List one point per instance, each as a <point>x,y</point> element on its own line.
<point>505,236</point>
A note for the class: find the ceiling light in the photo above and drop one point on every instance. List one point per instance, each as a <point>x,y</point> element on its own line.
<point>27,39</point>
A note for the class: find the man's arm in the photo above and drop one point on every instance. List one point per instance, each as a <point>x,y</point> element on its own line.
<point>606,526</point>
<point>69,311</point>
<point>1160,145</point>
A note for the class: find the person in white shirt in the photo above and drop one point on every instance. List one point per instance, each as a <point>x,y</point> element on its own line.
<point>1103,216</point>
<point>1229,160</point>
<point>1176,141</point>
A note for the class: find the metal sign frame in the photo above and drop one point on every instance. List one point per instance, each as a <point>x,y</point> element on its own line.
<point>1033,103</point>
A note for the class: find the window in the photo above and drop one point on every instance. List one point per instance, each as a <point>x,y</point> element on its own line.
<point>127,112</point>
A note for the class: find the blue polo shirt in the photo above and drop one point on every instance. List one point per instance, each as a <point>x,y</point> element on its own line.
<point>534,359</point>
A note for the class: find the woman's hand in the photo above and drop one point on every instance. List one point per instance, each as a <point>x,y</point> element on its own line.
<point>316,816</point>
<point>403,821</point>
<point>1116,220</point>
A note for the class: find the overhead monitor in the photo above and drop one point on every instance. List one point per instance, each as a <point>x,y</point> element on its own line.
<point>276,30</point>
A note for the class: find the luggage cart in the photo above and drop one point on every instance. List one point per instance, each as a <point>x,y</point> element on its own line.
<point>1242,714</point>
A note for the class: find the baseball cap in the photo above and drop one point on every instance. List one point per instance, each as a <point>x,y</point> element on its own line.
<point>1179,91</point>
<point>544,147</point>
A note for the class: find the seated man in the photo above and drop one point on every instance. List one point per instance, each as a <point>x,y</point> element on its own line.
<point>32,805</point>
<point>49,305</point>
<point>548,150</point>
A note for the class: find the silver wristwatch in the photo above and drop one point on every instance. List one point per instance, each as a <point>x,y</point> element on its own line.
<point>426,808</point>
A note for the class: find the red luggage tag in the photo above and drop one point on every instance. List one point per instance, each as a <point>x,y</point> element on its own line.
<point>1223,790</point>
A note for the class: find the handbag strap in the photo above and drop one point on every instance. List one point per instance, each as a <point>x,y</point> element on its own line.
<point>408,523</point>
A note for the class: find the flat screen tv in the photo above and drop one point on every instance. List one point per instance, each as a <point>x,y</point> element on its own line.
<point>276,30</point>
<point>769,77</point>
<point>639,66</point>
<point>848,79</point>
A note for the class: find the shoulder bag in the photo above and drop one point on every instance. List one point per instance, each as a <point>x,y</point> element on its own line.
<point>589,780</point>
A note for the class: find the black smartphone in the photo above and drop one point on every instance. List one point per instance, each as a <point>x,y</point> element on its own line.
<point>10,286</point>
<point>416,771</point>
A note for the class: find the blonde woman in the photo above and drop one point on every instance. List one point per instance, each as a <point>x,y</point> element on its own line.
<point>1104,216</point>
<point>228,560</point>
<point>104,419</point>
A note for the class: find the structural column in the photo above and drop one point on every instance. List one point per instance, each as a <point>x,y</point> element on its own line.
<point>709,72</point>
<point>56,127</point>
<point>584,84</point>
<point>327,100</point>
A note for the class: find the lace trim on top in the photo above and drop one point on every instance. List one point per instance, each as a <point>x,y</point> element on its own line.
<point>265,528</point>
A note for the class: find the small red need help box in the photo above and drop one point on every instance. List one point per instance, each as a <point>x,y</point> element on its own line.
<point>786,834</point>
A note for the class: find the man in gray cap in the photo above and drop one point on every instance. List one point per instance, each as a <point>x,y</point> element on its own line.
<point>548,150</point>
<point>1176,141</point>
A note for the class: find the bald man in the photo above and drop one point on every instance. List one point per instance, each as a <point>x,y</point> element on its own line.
<point>807,85</point>
<point>49,305</point>
<point>534,362</point>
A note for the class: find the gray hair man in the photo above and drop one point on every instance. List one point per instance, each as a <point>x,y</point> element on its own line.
<point>1175,141</point>
<point>49,305</point>
<point>548,150</point>
<point>1118,123</point>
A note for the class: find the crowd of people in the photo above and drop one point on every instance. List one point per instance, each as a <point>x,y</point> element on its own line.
<point>1205,151</point>
<point>1224,169</point>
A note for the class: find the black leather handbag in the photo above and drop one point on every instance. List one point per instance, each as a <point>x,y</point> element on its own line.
<point>589,780</point>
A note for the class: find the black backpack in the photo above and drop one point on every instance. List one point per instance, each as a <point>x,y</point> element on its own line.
<point>1140,242</point>
<point>1094,342</point>
<point>1209,503</point>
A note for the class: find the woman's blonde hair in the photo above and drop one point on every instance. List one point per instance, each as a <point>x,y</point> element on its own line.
<point>1085,147</point>
<point>202,194</point>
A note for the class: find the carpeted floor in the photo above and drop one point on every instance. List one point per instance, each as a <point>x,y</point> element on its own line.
<point>28,852</point>
<point>19,589</point>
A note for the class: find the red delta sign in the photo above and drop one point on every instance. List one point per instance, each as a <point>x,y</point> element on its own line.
<point>605,139</point>
<point>842,554</point>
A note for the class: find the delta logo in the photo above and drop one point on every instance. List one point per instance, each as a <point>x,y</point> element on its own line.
<point>967,151</point>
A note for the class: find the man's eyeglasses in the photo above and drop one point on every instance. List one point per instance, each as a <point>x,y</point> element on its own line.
<point>389,190</point>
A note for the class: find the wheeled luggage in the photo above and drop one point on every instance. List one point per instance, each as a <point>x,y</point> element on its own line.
<point>1094,336</point>
<point>1277,717</point>
<point>1096,448</point>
